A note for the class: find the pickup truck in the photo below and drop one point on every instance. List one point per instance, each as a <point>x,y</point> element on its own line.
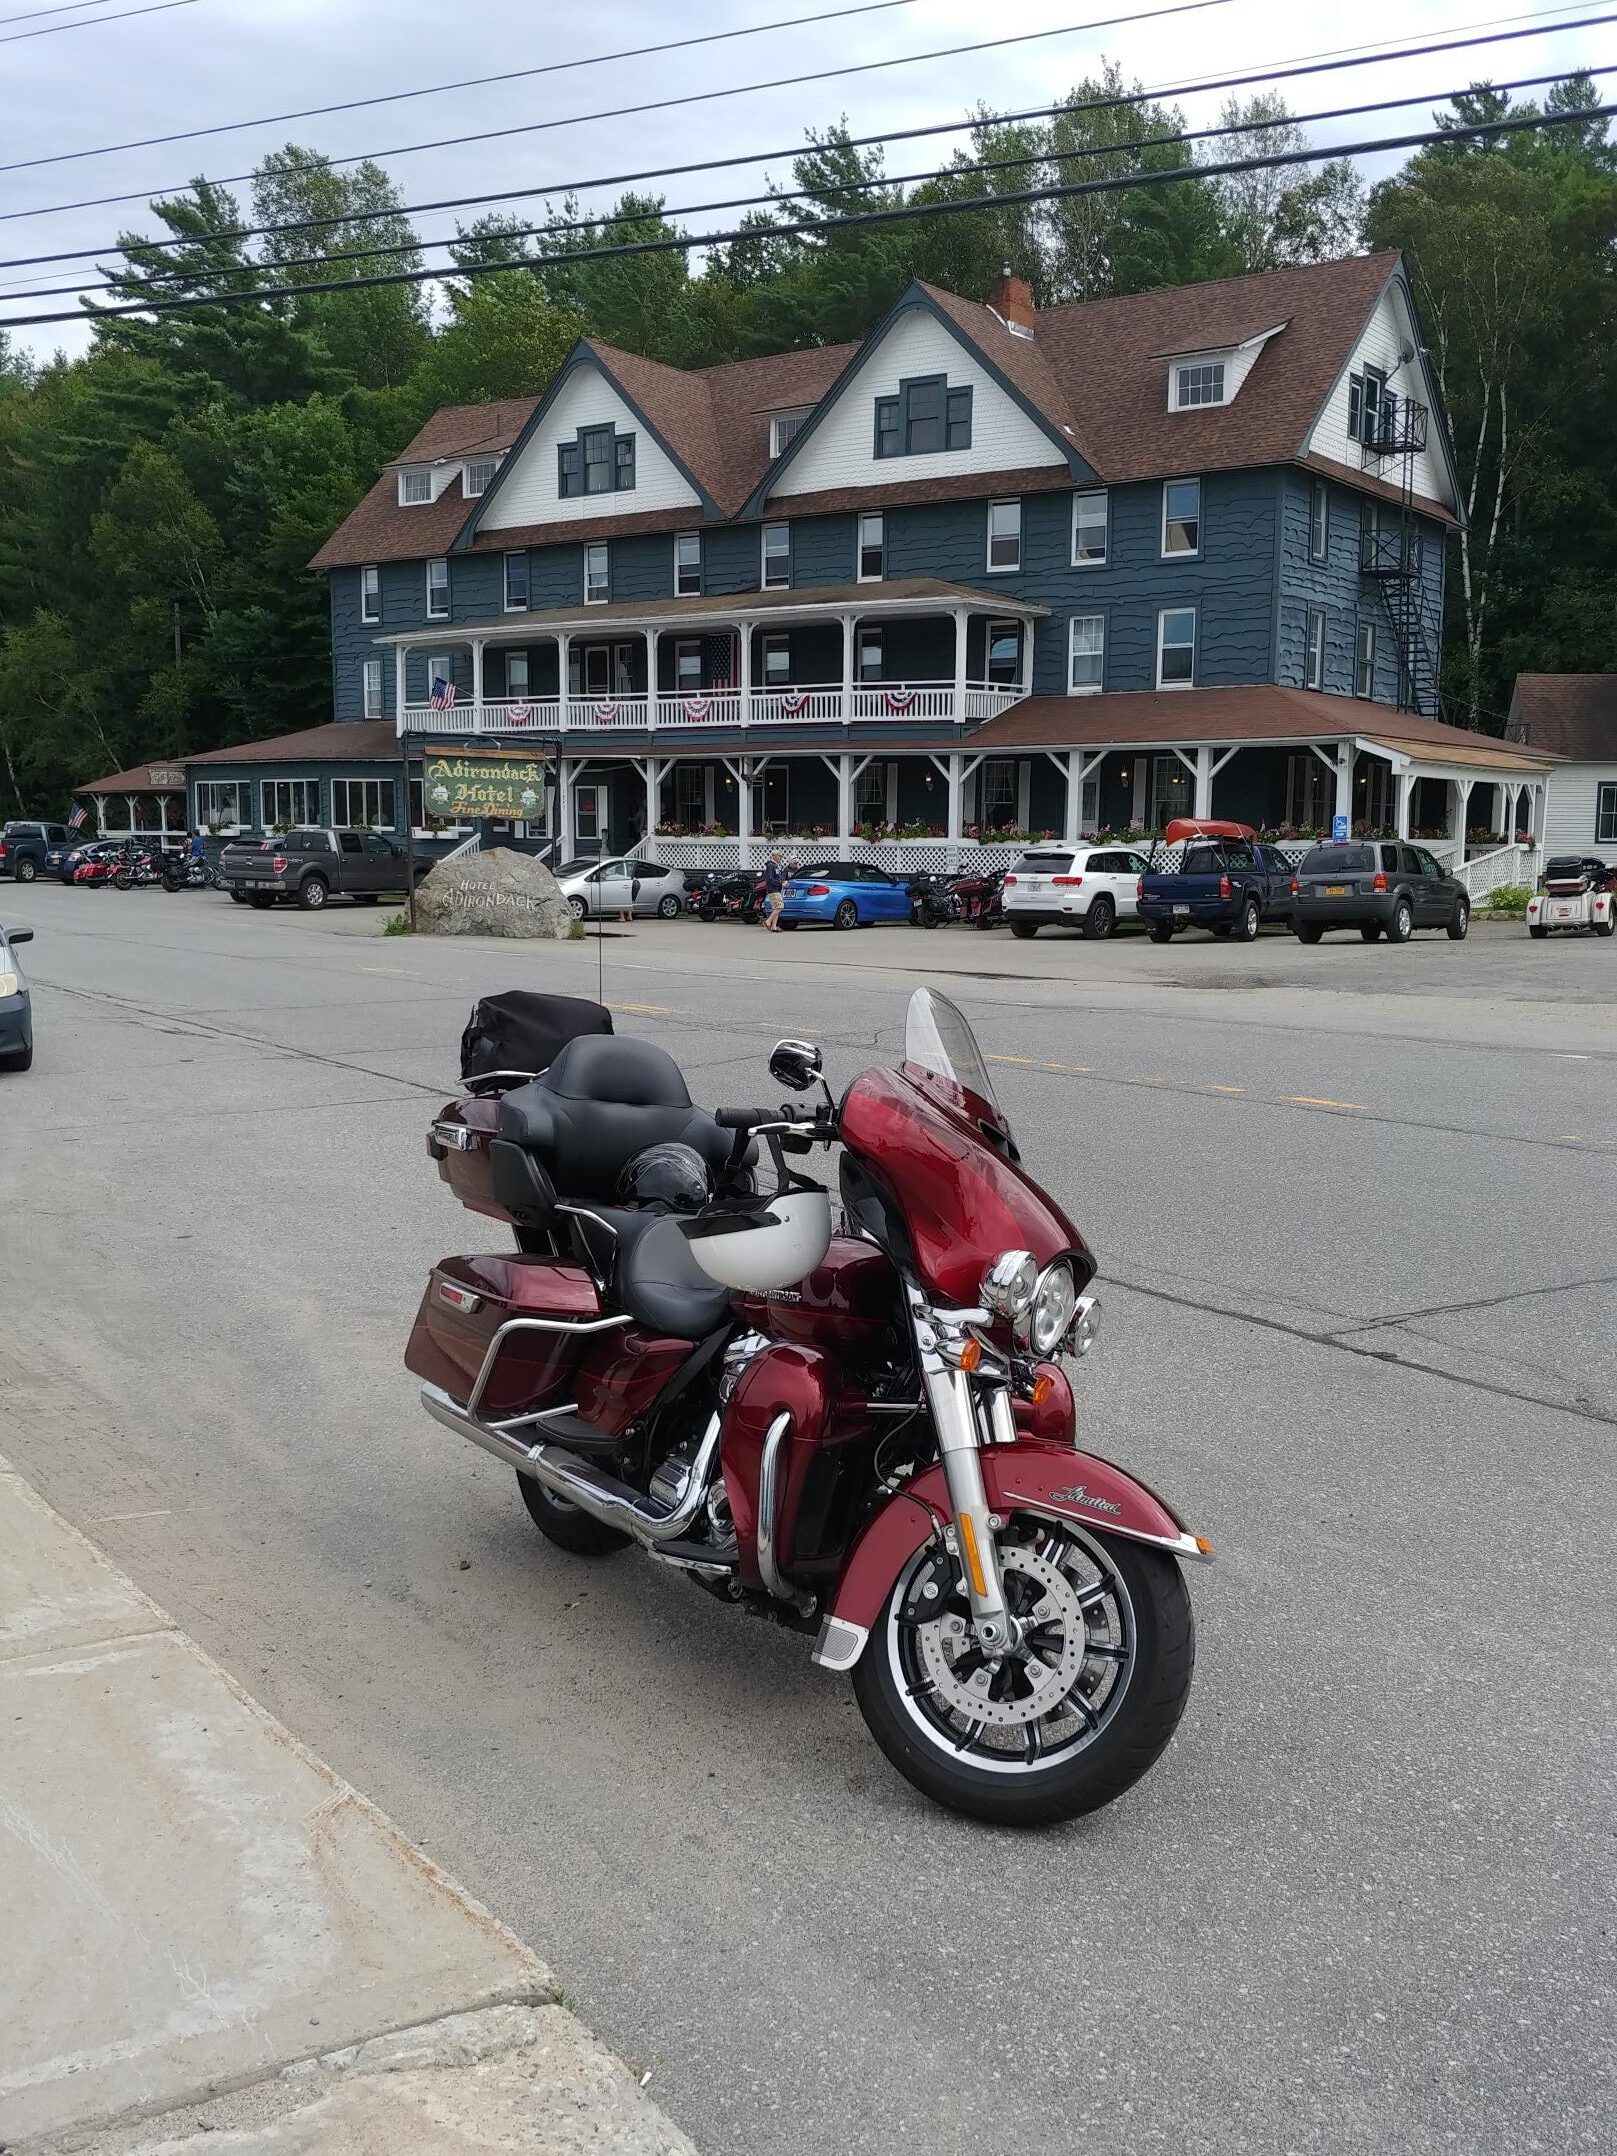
<point>1229,884</point>
<point>312,866</point>
<point>28,850</point>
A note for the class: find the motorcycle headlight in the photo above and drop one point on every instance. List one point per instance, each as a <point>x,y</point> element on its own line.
<point>1010,1284</point>
<point>1055,1298</point>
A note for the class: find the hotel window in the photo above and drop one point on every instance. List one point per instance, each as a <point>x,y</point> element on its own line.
<point>1002,650</point>
<point>479,476</point>
<point>777,556</point>
<point>1089,520</point>
<point>1319,522</point>
<point>1086,654</point>
<point>872,548</point>
<point>370,592</point>
<point>870,795</point>
<point>363,805</point>
<point>224,801</point>
<point>688,666</point>
<point>777,662</point>
<point>1181,516</point>
<point>870,655</point>
<point>1200,383</point>
<point>597,574</point>
<point>1314,659</point>
<point>415,485</point>
<point>1364,660</point>
<point>285,802</point>
<point>687,565</point>
<point>1005,535</point>
<point>925,417</point>
<point>437,591</point>
<point>1176,647</point>
<point>516,676</point>
<point>1000,790</point>
<point>783,426</point>
<point>1606,816</point>
<point>440,667</point>
<point>1370,405</point>
<point>516,583</point>
<point>373,689</point>
<point>598,461</point>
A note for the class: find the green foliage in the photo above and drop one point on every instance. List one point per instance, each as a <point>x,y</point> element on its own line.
<point>397,924</point>
<point>1509,900</point>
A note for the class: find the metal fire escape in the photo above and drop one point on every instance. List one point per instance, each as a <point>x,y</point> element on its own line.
<point>1390,548</point>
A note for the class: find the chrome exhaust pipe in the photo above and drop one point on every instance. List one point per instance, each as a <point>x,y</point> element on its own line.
<point>579,1481</point>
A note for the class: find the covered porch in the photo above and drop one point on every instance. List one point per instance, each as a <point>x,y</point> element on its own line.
<point>147,801</point>
<point>916,650</point>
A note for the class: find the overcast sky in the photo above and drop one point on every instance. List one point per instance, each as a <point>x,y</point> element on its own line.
<point>210,61</point>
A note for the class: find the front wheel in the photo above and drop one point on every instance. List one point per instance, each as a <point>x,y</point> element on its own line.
<point>567,1526</point>
<point>1069,1720</point>
<point>1459,922</point>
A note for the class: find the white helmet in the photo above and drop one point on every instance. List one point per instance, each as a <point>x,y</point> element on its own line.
<point>770,1247</point>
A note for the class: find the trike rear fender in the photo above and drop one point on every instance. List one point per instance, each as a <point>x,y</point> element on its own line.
<point>1033,1475</point>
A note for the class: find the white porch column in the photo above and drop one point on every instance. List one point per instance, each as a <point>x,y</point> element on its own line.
<point>1075,795</point>
<point>398,688</point>
<point>957,794</point>
<point>959,663</point>
<point>1204,781</point>
<point>844,801</point>
<point>651,692</point>
<point>162,814</point>
<point>744,678</point>
<point>564,807</point>
<point>1405,783</point>
<point>101,814</point>
<point>1344,781</point>
<point>563,649</point>
<point>741,771</point>
<point>849,623</point>
<point>1462,801</point>
<point>477,680</point>
<point>651,770</point>
<point>1025,647</point>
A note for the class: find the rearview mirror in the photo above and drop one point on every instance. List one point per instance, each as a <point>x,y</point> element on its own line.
<point>795,1065</point>
<point>21,935</point>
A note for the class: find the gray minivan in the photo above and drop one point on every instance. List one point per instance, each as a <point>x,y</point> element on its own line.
<point>1376,886</point>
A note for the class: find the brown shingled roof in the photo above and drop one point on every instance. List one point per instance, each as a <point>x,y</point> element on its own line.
<point>380,530</point>
<point>358,741</point>
<point>1571,715</point>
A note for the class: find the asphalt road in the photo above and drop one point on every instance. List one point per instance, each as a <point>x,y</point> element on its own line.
<point>1353,1208</point>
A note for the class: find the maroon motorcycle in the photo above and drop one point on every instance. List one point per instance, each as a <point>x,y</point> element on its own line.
<point>850,1415</point>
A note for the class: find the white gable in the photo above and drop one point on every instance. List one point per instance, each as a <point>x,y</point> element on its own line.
<point>1390,343</point>
<point>528,493</point>
<point>841,452</point>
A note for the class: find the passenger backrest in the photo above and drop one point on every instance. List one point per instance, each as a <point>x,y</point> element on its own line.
<point>600,1103</point>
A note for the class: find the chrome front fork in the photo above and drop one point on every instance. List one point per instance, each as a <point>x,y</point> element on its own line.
<point>942,1337</point>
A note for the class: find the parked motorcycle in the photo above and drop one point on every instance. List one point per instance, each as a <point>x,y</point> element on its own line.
<point>733,894</point>
<point>980,898</point>
<point>860,1427</point>
<point>184,872</point>
<point>932,901</point>
<point>142,868</point>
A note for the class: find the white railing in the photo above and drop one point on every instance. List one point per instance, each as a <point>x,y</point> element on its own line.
<point>474,844</point>
<point>1487,872</point>
<point>786,706</point>
<point>701,707</point>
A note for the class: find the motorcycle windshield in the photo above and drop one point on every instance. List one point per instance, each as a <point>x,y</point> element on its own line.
<point>938,1038</point>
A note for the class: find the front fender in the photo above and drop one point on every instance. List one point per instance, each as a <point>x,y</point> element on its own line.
<point>1030,1476</point>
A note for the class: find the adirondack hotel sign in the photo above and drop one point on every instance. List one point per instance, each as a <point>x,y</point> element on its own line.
<point>457,787</point>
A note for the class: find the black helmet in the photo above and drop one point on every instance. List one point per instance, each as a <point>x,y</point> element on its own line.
<point>670,1174</point>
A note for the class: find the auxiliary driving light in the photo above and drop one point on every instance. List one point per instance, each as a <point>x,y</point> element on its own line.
<point>1086,1324</point>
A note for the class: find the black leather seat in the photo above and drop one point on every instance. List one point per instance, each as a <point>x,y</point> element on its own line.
<point>654,1277</point>
<point>602,1101</point>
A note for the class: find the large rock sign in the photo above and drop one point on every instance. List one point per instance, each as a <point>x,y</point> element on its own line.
<point>499,893</point>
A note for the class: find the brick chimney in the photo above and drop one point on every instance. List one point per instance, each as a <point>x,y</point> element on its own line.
<point>1012,300</point>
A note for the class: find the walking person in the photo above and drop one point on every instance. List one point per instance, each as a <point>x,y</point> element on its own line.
<point>774,891</point>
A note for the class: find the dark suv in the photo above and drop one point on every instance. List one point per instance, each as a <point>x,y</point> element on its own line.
<point>27,850</point>
<point>1376,885</point>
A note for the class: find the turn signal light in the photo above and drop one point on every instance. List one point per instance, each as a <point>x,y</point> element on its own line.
<point>278,865</point>
<point>1011,879</point>
<point>1043,1386</point>
<point>1203,1545</point>
<point>1380,883</point>
<point>971,1355</point>
<point>974,1563</point>
<point>1296,888</point>
<point>819,890</point>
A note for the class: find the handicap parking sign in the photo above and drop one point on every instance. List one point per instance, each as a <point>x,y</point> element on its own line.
<point>1339,827</point>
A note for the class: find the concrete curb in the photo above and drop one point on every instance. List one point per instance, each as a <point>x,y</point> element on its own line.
<point>189,1894</point>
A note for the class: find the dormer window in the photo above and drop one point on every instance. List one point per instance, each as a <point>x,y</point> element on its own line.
<point>479,476</point>
<point>783,426</point>
<point>598,460</point>
<point>1199,382</point>
<point>415,485</point>
<point>925,417</point>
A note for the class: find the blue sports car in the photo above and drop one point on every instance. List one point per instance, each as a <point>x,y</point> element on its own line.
<point>845,894</point>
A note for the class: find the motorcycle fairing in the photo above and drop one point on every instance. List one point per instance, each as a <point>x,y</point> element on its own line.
<point>1033,1475</point>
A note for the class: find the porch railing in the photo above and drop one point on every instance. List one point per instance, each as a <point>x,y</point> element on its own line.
<point>825,704</point>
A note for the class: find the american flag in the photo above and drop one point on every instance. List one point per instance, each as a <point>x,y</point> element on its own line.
<point>443,694</point>
<point>78,816</point>
<point>719,660</point>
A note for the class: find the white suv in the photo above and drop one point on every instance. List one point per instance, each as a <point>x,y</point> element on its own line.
<point>1087,887</point>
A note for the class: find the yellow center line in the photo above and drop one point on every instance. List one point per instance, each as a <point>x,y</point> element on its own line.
<point>644,1010</point>
<point>1226,1089</point>
<point>1569,1137</point>
<point>1307,1100</point>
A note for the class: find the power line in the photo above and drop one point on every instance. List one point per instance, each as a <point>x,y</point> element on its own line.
<point>821,228</point>
<point>94,22</point>
<point>656,104</point>
<point>443,89</point>
<point>1309,64</point>
<point>76,7</point>
<point>541,263</point>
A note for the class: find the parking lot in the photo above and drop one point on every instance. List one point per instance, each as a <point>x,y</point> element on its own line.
<point>1351,1205</point>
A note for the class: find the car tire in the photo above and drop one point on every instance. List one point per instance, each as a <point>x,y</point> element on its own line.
<point>367,898</point>
<point>261,901</point>
<point>238,898</point>
<point>313,892</point>
<point>20,1059</point>
<point>846,915</point>
<point>669,908</point>
<point>1370,931</point>
<point>1223,930</point>
<point>1400,927</point>
<point>26,870</point>
<point>784,923</point>
<point>1100,920</point>
<point>1309,931</point>
<point>1024,931</point>
<point>1161,931</point>
<point>1538,934</point>
<point>577,908</point>
<point>1606,927</point>
<point>1459,922</point>
<point>1246,928</point>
